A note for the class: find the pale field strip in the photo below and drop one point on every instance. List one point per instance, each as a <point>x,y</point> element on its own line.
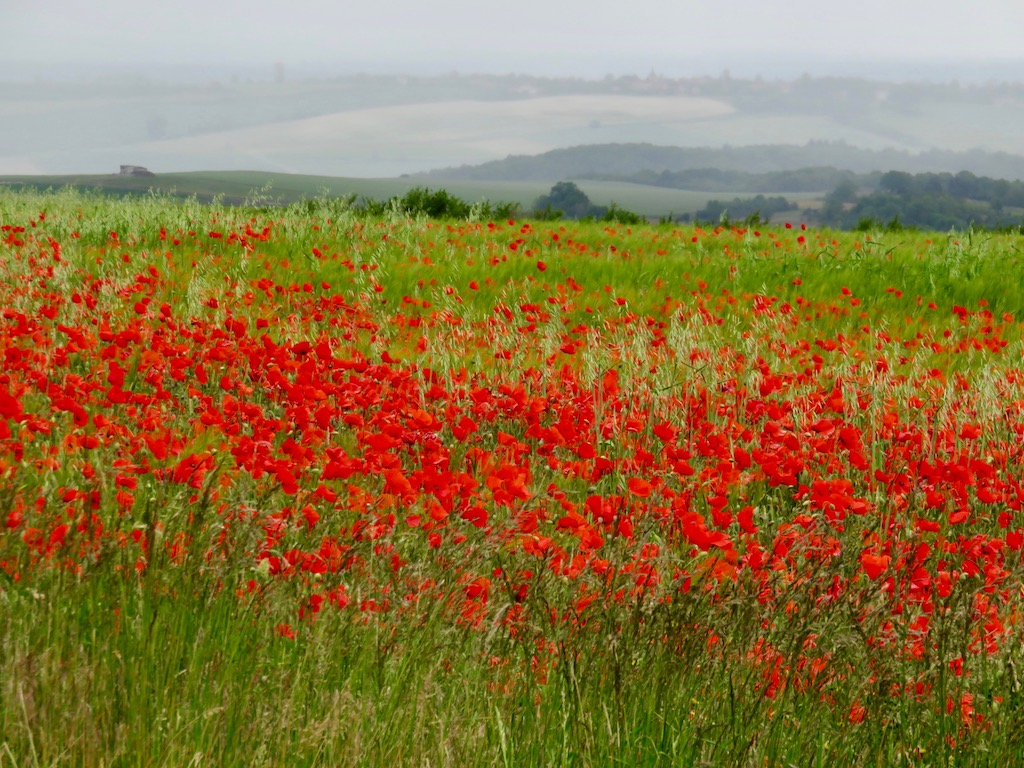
<point>995,128</point>
<point>743,130</point>
<point>393,140</point>
<point>490,122</point>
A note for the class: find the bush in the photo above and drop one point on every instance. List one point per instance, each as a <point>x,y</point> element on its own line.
<point>741,208</point>
<point>622,216</point>
<point>437,204</point>
<point>569,200</point>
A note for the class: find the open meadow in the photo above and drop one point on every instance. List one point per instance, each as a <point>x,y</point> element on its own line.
<point>301,486</point>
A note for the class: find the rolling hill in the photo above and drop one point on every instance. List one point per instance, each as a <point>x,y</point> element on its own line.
<point>624,161</point>
<point>385,126</point>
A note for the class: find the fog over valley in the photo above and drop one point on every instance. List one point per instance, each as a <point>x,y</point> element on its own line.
<point>313,87</point>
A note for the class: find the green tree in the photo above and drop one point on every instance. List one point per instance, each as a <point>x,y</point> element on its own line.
<point>898,183</point>
<point>844,192</point>
<point>570,200</point>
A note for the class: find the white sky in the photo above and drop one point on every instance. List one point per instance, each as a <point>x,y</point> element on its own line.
<point>536,36</point>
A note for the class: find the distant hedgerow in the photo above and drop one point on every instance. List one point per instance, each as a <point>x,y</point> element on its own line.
<point>437,204</point>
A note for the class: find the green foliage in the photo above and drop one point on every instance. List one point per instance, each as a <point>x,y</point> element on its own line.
<point>497,210</point>
<point>760,207</point>
<point>420,201</point>
<point>324,205</point>
<point>437,204</point>
<point>568,198</point>
<point>547,213</point>
<point>845,193</point>
<point>937,201</point>
<point>812,179</point>
<point>108,666</point>
<point>618,215</point>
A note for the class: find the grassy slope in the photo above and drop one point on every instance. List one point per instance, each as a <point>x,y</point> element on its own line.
<point>103,668</point>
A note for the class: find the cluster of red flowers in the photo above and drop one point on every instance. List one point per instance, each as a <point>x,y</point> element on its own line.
<point>159,404</point>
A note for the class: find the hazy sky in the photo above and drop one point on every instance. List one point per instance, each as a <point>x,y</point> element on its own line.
<point>578,37</point>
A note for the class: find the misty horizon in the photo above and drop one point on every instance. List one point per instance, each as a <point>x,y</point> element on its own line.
<point>893,40</point>
<point>86,87</point>
<point>741,67</point>
<point>377,126</point>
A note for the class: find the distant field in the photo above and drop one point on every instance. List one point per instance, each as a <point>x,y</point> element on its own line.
<point>375,127</point>
<point>986,126</point>
<point>411,137</point>
<point>238,186</point>
<point>366,142</point>
<point>740,130</point>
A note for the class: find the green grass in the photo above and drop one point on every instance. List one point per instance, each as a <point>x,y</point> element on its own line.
<point>236,187</point>
<point>185,665</point>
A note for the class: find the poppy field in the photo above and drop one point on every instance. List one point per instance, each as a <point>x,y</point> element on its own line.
<point>303,486</point>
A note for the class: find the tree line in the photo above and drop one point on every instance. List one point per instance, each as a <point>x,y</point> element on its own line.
<point>936,201</point>
<point>565,201</point>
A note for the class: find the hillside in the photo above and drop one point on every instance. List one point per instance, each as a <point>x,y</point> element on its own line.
<point>386,126</point>
<point>641,162</point>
